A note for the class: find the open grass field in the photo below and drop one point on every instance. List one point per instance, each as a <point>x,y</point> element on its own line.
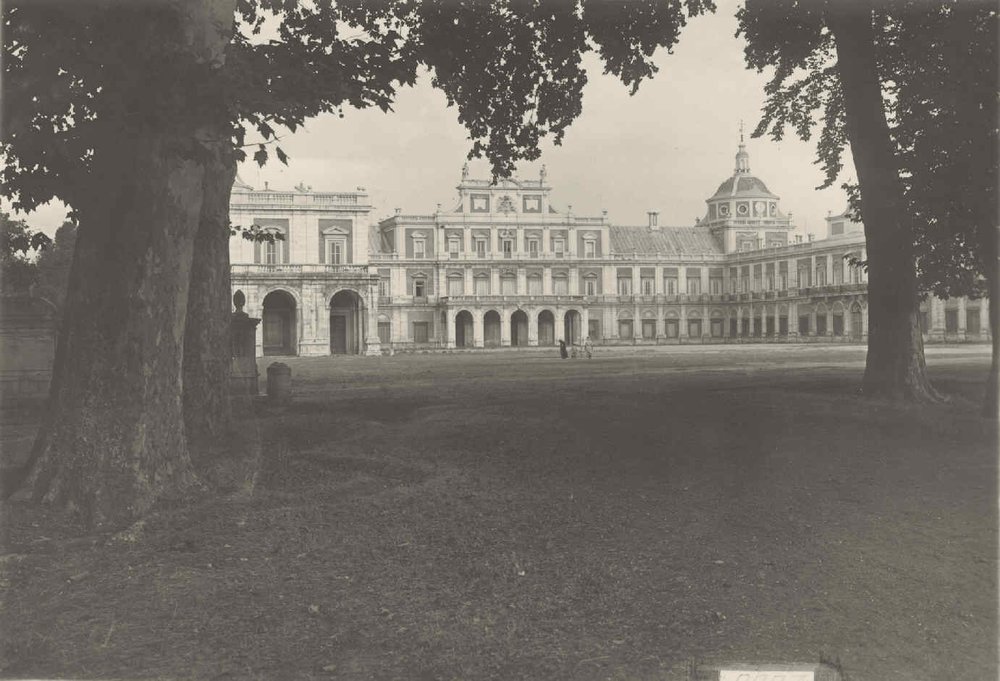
<point>515,516</point>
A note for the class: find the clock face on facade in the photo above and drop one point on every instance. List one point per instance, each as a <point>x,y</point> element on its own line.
<point>724,209</point>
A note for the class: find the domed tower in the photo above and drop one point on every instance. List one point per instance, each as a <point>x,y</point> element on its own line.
<point>743,213</point>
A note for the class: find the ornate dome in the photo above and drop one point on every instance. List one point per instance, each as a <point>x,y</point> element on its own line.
<point>742,184</point>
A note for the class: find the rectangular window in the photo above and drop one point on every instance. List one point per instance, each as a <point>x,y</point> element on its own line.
<point>271,249</point>
<point>972,321</point>
<point>672,328</point>
<point>456,286</point>
<point>694,286</point>
<point>534,286</point>
<point>821,276</point>
<point>419,288</point>
<point>716,285</point>
<point>670,286</point>
<point>590,286</point>
<point>589,249</point>
<point>838,325</point>
<point>649,329</point>
<point>782,326</point>
<point>560,286</point>
<point>951,321</point>
<point>508,248</point>
<point>482,286</point>
<point>418,249</point>
<point>716,328</point>
<point>734,327</point>
<point>624,286</point>
<point>804,325</point>
<point>421,332</point>
<point>625,329</point>
<point>383,287</point>
<point>559,246</point>
<point>384,329</point>
<point>694,328</point>
<point>533,248</point>
<point>453,247</point>
<point>821,324</point>
<point>508,286</point>
<point>647,286</point>
<point>481,248</point>
<point>336,252</point>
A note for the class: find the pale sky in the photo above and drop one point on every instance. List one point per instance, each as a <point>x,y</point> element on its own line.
<point>667,148</point>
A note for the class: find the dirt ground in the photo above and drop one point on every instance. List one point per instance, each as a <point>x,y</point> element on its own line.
<point>516,516</point>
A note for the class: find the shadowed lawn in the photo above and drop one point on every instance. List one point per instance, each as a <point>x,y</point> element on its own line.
<point>514,516</point>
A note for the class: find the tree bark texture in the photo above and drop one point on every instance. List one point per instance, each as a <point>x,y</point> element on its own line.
<point>895,366</point>
<point>207,351</point>
<point>114,441</point>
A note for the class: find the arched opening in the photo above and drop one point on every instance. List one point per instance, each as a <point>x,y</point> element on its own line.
<point>571,327</point>
<point>519,329</point>
<point>546,328</point>
<point>463,329</point>
<point>346,323</point>
<point>491,329</point>
<point>279,323</point>
<point>856,321</point>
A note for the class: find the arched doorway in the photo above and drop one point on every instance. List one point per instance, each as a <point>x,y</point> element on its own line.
<point>491,329</point>
<point>519,329</point>
<point>346,323</point>
<point>463,329</point>
<point>546,328</point>
<point>279,323</point>
<point>571,327</point>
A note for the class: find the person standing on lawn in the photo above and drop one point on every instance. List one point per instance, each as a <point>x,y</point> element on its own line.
<point>562,349</point>
<point>588,347</point>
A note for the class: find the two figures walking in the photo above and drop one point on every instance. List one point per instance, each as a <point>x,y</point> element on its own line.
<point>587,349</point>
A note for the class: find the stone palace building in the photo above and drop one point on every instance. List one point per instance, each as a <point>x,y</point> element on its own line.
<point>506,267</point>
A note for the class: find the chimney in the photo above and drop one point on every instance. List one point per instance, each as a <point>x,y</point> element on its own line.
<point>654,219</point>
<point>265,185</point>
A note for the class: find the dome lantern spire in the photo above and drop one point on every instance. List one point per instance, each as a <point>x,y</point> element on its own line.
<point>742,157</point>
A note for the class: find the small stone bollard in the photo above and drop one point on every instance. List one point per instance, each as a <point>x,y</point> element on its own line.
<point>279,383</point>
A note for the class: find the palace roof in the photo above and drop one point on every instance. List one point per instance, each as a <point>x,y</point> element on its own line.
<point>664,240</point>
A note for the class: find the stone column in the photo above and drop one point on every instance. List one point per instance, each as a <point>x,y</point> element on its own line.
<point>451,340</point>
<point>574,282</point>
<point>547,281</point>
<point>504,327</point>
<point>584,323</point>
<point>793,320</point>
<point>829,322</point>
<point>753,326</point>
<point>467,287</point>
<point>532,328</point>
<point>373,347</point>
<point>477,328</point>
<point>560,330</point>
<point>522,281</point>
<point>494,280</point>
<point>739,322</point>
<point>962,317</point>
<point>682,324</point>
<point>777,319</point>
<point>812,322</point>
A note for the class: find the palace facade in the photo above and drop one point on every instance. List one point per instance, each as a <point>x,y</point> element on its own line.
<point>506,267</point>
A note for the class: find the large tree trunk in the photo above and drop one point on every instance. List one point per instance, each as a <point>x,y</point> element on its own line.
<point>991,401</point>
<point>207,352</point>
<point>115,438</point>
<point>895,366</point>
<point>114,441</point>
